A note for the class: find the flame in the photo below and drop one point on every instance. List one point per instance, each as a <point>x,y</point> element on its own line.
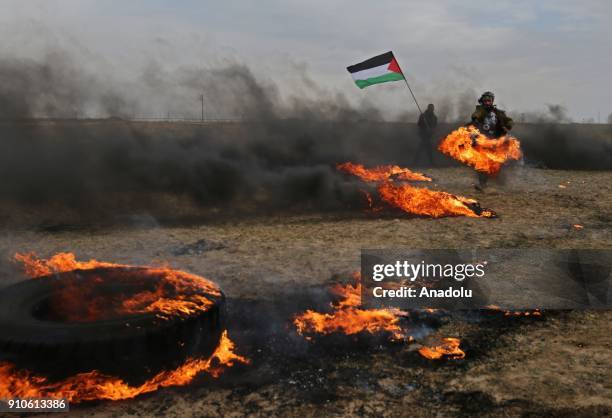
<point>347,318</point>
<point>507,313</point>
<point>486,155</point>
<point>449,348</point>
<point>164,291</point>
<point>436,204</point>
<point>415,200</point>
<point>381,173</point>
<point>535,312</point>
<point>577,226</point>
<point>94,385</point>
<point>59,263</point>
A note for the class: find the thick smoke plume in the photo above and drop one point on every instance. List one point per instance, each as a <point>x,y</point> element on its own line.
<point>281,156</point>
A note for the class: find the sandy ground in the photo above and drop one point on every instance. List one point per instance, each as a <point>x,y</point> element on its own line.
<point>557,365</point>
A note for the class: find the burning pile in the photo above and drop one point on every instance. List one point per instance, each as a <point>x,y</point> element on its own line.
<point>82,306</point>
<point>449,348</point>
<point>432,203</point>
<point>162,291</point>
<point>159,290</point>
<point>94,385</point>
<point>348,318</point>
<point>511,313</point>
<point>415,200</point>
<point>469,146</point>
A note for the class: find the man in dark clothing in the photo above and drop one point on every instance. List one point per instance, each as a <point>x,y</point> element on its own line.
<point>427,124</point>
<point>492,122</point>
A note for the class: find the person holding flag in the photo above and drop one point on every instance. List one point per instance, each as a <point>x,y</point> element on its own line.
<point>427,124</point>
<point>384,68</point>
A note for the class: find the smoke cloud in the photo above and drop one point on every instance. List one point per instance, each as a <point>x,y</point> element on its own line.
<point>281,156</point>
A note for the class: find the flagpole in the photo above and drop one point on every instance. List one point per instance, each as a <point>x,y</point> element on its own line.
<point>411,93</point>
<point>414,97</point>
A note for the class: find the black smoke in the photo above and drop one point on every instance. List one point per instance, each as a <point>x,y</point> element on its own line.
<point>281,156</point>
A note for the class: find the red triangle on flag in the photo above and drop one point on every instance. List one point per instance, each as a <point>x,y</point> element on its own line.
<point>394,66</point>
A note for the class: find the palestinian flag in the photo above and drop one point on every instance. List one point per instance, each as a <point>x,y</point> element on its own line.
<point>379,69</point>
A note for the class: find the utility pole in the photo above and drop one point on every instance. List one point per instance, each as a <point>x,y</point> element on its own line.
<point>202,99</point>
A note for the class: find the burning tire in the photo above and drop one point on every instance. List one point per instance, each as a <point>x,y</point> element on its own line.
<point>119,320</point>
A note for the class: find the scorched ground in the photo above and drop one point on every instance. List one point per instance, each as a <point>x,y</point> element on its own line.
<point>559,363</point>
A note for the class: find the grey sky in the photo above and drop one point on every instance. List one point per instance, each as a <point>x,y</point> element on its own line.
<point>531,53</point>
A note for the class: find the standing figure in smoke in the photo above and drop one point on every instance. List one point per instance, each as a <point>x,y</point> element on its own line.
<point>490,121</point>
<point>427,124</point>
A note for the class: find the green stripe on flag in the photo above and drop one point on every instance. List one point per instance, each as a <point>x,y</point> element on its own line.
<point>380,79</point>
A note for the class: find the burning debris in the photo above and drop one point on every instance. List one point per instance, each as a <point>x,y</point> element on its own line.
<point>174,292</point>
<point>414,200</point>
<point>95,385</point>
<point>102,319</point>
<point>469,146</point>
<point>436,204</point>
<point>510,313</point>
<point>348,318</point>
<point>535,312</point>
<point>449,349</point>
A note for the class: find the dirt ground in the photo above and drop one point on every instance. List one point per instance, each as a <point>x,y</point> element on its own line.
<point>557,365</point>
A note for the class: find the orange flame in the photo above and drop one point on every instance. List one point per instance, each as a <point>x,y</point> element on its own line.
<point>486,155</point>
<point>175,293</point>
<point>415,200</point>
<point>449,348</point>
<point>94,385</point>
<point>381,173</point>
<point>347,318</point>
<point>507,313</point>
<point>535,312</point>
<point>436,204</point>
<point>59,263</point>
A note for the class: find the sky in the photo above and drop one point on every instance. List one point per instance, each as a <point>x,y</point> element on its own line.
<point>530,53</point>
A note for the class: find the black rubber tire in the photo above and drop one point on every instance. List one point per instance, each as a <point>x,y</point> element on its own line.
<point>134,346</point>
